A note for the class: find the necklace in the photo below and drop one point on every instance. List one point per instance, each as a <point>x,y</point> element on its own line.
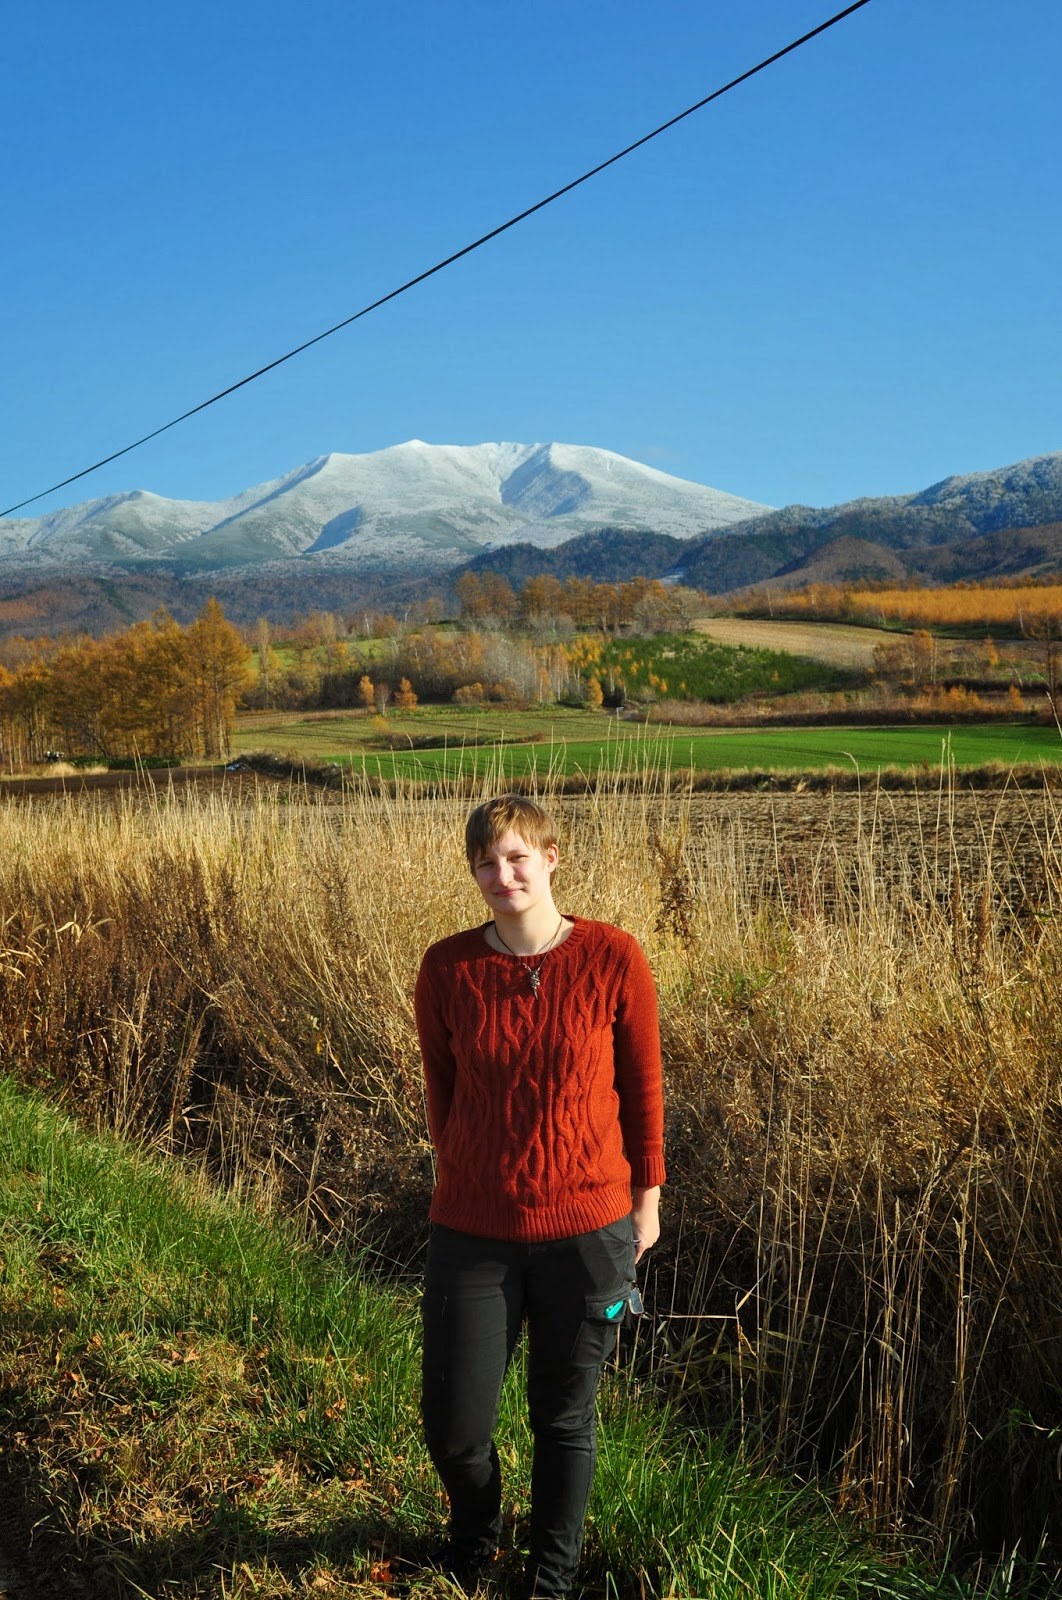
<point>532,972</point>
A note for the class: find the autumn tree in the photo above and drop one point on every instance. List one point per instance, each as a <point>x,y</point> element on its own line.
<point>216,663</point>
<point>469,593</point>
<point>172,707</point>
<point>541,597</point>
<point>910,659</point>
<point>267,662</point>
<point>1047,629</point>
<point>27,707</point>
<point>8,734</point>
<point>405,695</point>
<point>152,689</point>
<point>328,633</point>
<point>497,600</point>
<point>580,601</point>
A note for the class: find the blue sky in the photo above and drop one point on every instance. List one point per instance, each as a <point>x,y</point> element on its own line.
<point>841,279</point>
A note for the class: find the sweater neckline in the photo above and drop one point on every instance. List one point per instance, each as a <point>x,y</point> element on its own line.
<point>576,936</point>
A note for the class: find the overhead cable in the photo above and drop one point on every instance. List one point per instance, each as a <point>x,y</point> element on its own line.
<point>448,261</point>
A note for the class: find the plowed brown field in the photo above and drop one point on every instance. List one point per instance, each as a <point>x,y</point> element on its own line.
<point>148,781</point>
<point>824,845</point>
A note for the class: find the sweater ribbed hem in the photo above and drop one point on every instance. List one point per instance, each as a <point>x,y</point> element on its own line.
<point>534,1225</point>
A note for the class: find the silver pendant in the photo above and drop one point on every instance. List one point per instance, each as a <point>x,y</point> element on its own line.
<point>533,975</point>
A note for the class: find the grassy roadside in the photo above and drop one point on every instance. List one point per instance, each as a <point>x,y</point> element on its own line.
<point>194,1404</point>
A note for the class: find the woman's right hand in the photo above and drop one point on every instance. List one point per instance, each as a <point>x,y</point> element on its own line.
<point>645,1216</point>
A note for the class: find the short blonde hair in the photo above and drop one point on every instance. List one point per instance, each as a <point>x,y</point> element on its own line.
<point>493,819</point>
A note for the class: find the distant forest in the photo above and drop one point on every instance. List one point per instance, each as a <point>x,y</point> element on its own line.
<point>786,556</point>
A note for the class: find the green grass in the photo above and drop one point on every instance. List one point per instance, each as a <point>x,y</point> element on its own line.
<point>331,733</point>
<point>768,750</point>
<point>797,749</point>
<point>195,1404</point>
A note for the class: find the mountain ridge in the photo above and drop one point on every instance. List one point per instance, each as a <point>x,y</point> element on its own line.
<point>1023,494</point>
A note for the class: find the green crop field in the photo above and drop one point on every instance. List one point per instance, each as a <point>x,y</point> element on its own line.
<point>571,742</point>
<point>772,750</point>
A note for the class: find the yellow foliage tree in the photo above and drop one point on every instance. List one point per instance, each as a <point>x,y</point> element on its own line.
<point>216,662</point>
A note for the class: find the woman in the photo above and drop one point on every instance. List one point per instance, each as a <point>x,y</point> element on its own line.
<point>541,1056</point>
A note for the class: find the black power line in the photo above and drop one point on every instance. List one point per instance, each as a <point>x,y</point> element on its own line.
<point>448,261</point>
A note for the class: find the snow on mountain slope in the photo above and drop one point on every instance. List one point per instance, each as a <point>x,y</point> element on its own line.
<point>1026,493</point>
<point>590,487</point>
<point>1023,495</point>
<point>137,525</point>
<point>413,503</point>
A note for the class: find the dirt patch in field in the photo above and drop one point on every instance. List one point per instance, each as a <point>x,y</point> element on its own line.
<point>148,781</point>
<point>835,642</point>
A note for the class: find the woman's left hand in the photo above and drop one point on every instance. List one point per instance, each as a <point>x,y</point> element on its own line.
<point>646,1218</point>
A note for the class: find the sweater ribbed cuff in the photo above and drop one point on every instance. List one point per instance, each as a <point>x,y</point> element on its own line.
<point>648,1172</point>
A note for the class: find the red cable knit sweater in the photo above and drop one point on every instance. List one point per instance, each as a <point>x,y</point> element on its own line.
<point>543,1109</point>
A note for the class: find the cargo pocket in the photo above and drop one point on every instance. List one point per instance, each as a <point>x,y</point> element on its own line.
<point>596,1339</point>
<point>608,1309</point>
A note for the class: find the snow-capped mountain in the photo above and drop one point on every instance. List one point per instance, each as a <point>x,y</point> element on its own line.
<point>414,506</point>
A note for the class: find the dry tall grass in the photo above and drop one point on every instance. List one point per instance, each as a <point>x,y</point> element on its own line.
<point>864,1053</point>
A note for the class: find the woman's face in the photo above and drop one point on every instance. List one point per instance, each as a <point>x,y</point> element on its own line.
<point>514,876</point>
